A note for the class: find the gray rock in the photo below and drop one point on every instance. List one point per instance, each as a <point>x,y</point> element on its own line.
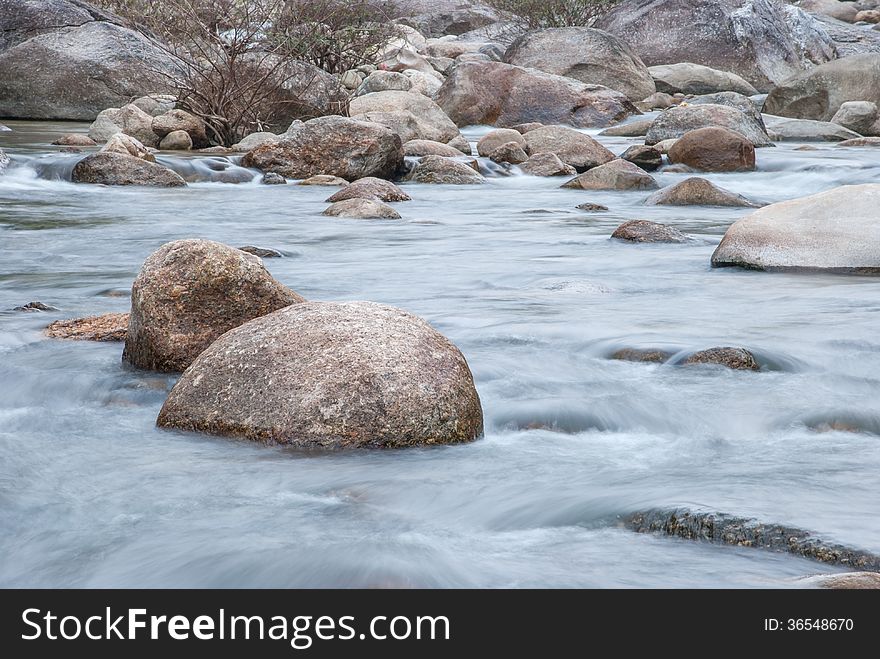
<point>371,188</point>
<point>252,141</point>
<point>696,191</point>
<point>677,121</point>
<point>431,122</point>
<point>509,152</point>
<point>71,61</point>
<point>818,93</point>
<point>262,252</point>
<point>330,375</point>
<point>176,140</point>
<point>763,41</point>
<point>504,95</point>
<point>860,141</point>
<point>584,54</point>
<point>335,146</point>
<point>122,169</point>
<point>591,207</point>
<point>271,178</point>
<point>689,78</point>
<point>362,209</point>
<point>615,175</point>
<point>857,116</point>
<point>75,139</point>
<point>806,130</point>
<point>637,128</point>
<point>436,169</point>
<point>128,119</point>
<point>836,230</point>
<point>324,179</point>
<point>175,120</point>
<point>547,164</point>
<point>127,145</point>
<point>733,100</point>
<point>155,104</point>
<point>188,293</point>
<point>643,156</point>
<point>424,83</point>
<point>383,81</point>
<point>429,148</point>
<point>570,146</point>
<point>493,139</point>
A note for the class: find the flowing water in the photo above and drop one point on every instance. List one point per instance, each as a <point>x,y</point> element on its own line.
<point>535,294</point>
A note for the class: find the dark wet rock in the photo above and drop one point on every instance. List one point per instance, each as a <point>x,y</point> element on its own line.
<point>429,148</point>
<point>262,252</point>
<point>697,191</point>
<point>719,528</point>
<point>333,376</point>
<point>75,139</point>
<point>591,207</point>
<point>714,149</point>
<point>362,209</point>
<point>637,128</point>
<point>436,169</point>
<point>675,122</point>
<point>495,138</point>
<point>643,156</point>
<point>371,188</point>
<point>271,178</point>
<point>109,168</point>
<point>107,327</point>
<point>584,54</point>
<point>644,231</point>
<point>689,78</point>
<point>337,146</point>
<point>738,359</point>
<point>819,92</point>
<point>763,41</point>
<point>503,95</point>
<point>34,306</point>
<point>547,164</point>
<point>654,356</point>
<point>835,230</point>
<point>572,147</point>
<point>188,293</point>
<point>615,175</point>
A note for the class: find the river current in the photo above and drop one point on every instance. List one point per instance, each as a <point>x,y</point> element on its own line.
<point>536,295</point>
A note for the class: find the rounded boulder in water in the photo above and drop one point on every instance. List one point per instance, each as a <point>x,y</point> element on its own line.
<point>330,375</point>
<point>188,293</point>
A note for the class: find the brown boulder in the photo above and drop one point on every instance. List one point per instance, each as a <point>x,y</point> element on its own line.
<point>108,168</point>
<point>330,375</point>
<point>371,188</point>
<point>697,191</point>
<point>615,175</point>
<point>714,149</point>
<point>735,358</point>
<point>572,147</point>
<point>188,293</point>
<point>361,209</point>
<point>643,231</point>
<point>175,120</point>
<point>547,164</point>
<point>107,327</point>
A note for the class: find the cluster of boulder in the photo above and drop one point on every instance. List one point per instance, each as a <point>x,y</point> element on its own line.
<point>259,361</point>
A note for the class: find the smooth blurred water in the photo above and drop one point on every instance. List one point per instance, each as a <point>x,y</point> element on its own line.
<point>536,295</point>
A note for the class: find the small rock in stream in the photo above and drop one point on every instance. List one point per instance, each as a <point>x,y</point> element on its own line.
<point>262,252</point>
<point>34,306</point>
<point>106,327</point>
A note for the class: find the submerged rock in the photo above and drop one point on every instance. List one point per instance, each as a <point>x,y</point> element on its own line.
<point>363,209</point>
<point>836,230</point>
<point>262,252</point>
<point>109,168</point>
<point>324,179</point>
<point>330,375</point>
<point>725,529</point>
<point>271,178</point>
<point>188,293</point>
<point>697,191</point>
<point>107,327</point>
<point>644,231</point>
<point>591,207</point>
<point>845,581</point>
<point>654,356</point>
<point>34,306</point>
<point>738,359</point>
<point>370,188</point>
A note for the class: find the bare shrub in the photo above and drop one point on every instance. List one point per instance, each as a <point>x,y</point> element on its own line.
<point>554,13</point>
